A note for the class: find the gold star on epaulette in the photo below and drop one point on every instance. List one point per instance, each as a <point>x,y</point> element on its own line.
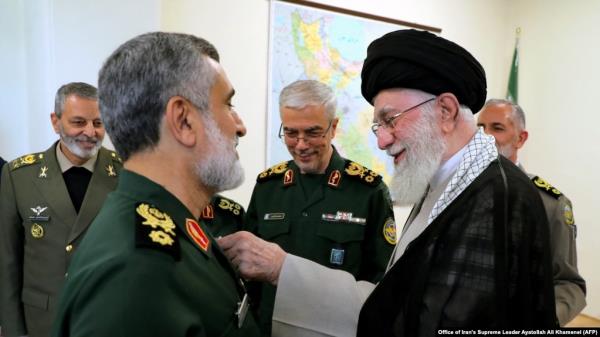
<point>367,176</point>
<point>272,171</point>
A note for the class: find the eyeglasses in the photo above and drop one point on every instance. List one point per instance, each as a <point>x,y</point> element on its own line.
<point>389,123</point>
<point>311,136</point>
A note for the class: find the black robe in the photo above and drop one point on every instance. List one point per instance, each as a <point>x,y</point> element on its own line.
<point>484,262</point>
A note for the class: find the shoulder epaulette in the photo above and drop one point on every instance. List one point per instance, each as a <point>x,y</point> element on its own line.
<point>229,206</point>
<point>26,160</point>
<point>115,157</point>
<point>546,187</point>
<point>362,173</point>
<point>156,230</point>
<point>272,172</point>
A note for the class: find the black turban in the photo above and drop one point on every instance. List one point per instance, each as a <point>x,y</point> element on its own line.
<point>420,60</point>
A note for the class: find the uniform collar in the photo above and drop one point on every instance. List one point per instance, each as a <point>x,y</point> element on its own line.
<point>64,163</point>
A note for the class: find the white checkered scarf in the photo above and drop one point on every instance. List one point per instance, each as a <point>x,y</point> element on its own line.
<point>480,152</point>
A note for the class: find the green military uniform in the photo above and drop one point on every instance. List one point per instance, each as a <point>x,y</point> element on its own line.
<point>39,231</point>
<point>569,286</point>
<point>148,268</point>
<point>223,216</point>
<point>342,219</point>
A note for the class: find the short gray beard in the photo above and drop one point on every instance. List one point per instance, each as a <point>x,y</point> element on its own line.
<point>424,151</point>
<point>220,169</point>
<point>505,150</point>
<point>71,143</point>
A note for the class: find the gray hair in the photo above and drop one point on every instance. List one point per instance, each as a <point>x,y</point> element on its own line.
<point>139,78</point>
<point>518,115</point>
<point>302,93</point>
<point>79,89</point>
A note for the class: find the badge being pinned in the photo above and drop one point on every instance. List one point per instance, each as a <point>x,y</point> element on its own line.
<point>197,234</point>
<point>389,231</point>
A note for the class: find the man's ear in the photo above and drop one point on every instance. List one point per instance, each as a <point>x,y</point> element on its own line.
<point>450,109</point>
<point>522,138</point>
<point>55,120</point>
<point>181,120</point>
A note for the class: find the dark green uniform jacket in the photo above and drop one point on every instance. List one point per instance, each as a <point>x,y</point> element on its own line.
<point>39,232</point>
<point>223,216</point>
<point>345,222</point>
<point>148,268</point>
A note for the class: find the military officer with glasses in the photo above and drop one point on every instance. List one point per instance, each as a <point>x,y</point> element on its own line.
<point>319,205</point>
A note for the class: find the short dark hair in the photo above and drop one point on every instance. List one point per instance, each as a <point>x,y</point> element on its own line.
<point>79,89</point>
<point>517,112</point>
<point>139,78</point>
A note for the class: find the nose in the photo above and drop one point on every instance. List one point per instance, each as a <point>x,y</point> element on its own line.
<point>384,138</point>
<point>239,125</point>
<point>302,144</point>
<point>89,130</point>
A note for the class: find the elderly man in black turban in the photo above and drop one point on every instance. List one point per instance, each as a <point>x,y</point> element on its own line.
<point>474,251</point>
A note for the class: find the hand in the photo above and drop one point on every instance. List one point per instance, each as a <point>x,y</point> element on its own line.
<point>254,258</point>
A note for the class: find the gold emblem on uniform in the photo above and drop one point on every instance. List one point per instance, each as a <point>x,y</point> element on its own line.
<point>288,177</point>
<point>389,231</point>
<point>161,223</point>
<point>569,220</point>
<point>230,206</point>
<point>37,231</point>
<point>355,169</point>
<point>43,171</point>
<point>110,170</point>
<point>277,169</point>
<point>334,178</point>
<point>541,183</point>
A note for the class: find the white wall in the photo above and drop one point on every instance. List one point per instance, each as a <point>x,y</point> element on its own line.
<point>46,43</point>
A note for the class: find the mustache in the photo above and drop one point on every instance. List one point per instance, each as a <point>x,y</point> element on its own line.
<point>84,138</point>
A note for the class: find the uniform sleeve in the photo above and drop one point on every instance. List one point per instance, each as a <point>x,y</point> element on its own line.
<point>251,217</point>
<point>313,300</point>
<point>380,235</point>
<point>569,286</point>
<point>138,298</point>
<point>11,259</point>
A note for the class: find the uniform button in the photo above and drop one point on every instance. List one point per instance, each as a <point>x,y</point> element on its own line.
<point>69,248</point>
<point>304,214</point>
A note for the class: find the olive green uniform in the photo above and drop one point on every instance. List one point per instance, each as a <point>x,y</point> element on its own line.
<point>342,219</point>
<point>569,286</point>
<point>223,216</point>
<point>148,268</point>
<point>39,231</point>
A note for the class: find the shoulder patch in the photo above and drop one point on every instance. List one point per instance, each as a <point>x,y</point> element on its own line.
<point>156,230</point>
<point>362,173</point>
<point>115,157</point>
<point>272,172</point>
<point>546,187</point>
<point>229,206</point>
<point>26,160</point>
<point>389,231</point>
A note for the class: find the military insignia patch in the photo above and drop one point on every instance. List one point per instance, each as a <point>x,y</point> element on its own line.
<point>360,172</point>
<point>156,229</point>
<point>389,231</point>
<point>110,170</point>
<point>43,172</point>
<point>288,177</point>
<point>336,256</point>
<point>272,171</point>
<point>208,212</point>
<point>37,231</point>
<point>197,234</point>
<point>334,178</point>
<point>568,212</point>
<point>546,187</point>
<point>25,161</point>
<point>229,205</point>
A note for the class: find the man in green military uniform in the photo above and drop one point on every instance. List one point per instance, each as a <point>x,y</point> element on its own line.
<point>223,216</point>
<point>319,205</point>
<point>48,201</point>
<point>505,120</point>
<point>148,267</point>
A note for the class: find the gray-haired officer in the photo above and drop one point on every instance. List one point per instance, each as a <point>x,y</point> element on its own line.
<point>505,120</point>
<point>48,200</point>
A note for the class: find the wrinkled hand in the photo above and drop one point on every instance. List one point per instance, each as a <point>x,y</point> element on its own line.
<point>254,258</point>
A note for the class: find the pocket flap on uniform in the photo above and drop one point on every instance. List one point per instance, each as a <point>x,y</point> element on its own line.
<point>270,229</point>
<point>34,298</point>
<point>341,231</point>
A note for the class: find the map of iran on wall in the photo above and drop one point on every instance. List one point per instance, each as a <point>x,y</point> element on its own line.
<point>309,43</point>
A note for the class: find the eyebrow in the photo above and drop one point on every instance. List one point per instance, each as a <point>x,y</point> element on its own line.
<point>382,112</point>
<point>312,128</point>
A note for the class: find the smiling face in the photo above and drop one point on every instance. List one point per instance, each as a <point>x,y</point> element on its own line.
<point>80,128</point>
<point>307,135</point>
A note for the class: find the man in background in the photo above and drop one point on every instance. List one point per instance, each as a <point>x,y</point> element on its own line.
<point>505,121</point>
<point>319,205</point>
<point>148,267</point>
<point>47,203</point>
<point>223,216</point>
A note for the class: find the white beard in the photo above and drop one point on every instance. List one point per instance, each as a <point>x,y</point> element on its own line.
<point>220,169</point>
<point>424,150</point>
<point>71,143</point>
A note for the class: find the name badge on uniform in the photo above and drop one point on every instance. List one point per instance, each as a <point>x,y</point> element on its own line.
<point>242,310</point>
<point>274,216</point>
<point>337,256</point>
<point>38,210</point>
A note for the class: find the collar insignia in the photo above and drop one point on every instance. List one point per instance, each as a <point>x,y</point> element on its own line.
<point>197,234</point>
<point>334,178</point>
